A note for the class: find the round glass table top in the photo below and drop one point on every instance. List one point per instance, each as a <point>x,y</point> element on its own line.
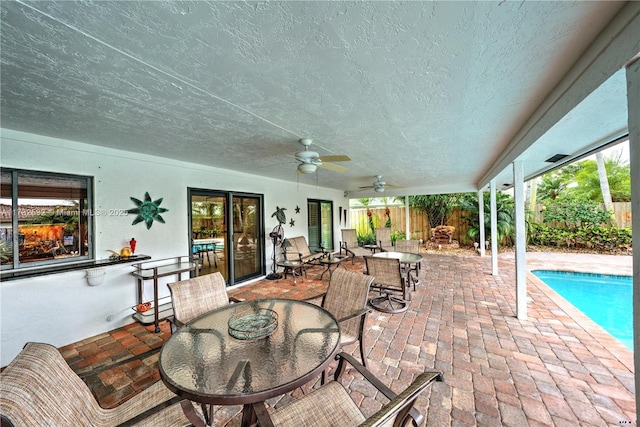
<point>204,363</point>
<point>402,256</point>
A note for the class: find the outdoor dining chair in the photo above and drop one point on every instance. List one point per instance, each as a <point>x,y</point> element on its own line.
<point>331,405</point>
<point>411,246</point>
<point>349,244</point>
<point>195,296</point>
<point>346,298</point>
<point>391,282</point>
<point>383,238</point>
<point>38,388</point>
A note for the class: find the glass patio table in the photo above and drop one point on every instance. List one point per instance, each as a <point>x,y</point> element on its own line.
<point>404,257</point>
<point>204,363</point>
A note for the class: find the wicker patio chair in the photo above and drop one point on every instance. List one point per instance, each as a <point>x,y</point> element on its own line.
<point>383,237</point>
<point>196,296</point>
<point>331,405</point>
<point>391,282</point>
<point>38,388</point>
<point>349,244</point>
<point>411,246</point>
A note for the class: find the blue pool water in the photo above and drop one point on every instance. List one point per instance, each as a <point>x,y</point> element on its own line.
<point>606,299</point>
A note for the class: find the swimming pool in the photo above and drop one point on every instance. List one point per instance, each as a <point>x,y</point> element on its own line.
<point>606,299</point>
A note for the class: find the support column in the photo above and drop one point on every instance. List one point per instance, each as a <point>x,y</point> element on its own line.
<point>633,105</point>
<point>406,218</point>
<point>483,238</point>
<point>494,228</point>
<point>521,267</point>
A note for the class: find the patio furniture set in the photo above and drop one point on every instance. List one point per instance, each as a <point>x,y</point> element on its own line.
<point>229,352</point>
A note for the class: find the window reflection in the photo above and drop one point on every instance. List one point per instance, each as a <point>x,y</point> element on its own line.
<point>47,213</point>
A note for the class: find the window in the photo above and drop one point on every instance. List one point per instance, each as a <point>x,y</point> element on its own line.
<point>44,218</point>
<point>320,219</point>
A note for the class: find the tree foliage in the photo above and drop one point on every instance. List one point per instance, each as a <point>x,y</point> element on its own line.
<point>580,181</point>
<point>588,182</point>
<point>576,214</point>
<point>436,207</point>
<point>504,215</point>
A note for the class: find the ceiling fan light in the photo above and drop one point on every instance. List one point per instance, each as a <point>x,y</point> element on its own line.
<point>379,189</point>
<point>307,168</point>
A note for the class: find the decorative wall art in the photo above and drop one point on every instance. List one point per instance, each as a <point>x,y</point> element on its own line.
<point>297,209</point>
<point>147,210</point>
<point>292,222</point>
<point>279,214</point>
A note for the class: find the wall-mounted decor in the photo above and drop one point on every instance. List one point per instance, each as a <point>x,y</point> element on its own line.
<point>279,214</point>
<point>147,210</point>
<point>297,209</point>
<point>292,222</point>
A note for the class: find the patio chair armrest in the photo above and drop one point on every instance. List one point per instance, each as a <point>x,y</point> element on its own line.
<point>315,297</point>
<point>401,406</point>
<point>148,402</point>
<point>5,422</point>
<point>175,322</point>
<point>342,356</point>
<point>386,391</point>
<point>236,299</point>
<point>355,315</point>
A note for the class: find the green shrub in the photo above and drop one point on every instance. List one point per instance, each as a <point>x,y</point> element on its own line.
<point>368,238</point>
<point>397,235</point>
<point>576,214</point>
<point>599,238</point>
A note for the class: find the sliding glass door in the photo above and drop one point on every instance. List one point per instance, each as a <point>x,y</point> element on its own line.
<point>226,230</point>
<point>248,246</point>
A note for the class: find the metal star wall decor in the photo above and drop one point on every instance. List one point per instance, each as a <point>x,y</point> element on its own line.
<point>297,209</point>
<point>292,222</point>
<point>147,210</point>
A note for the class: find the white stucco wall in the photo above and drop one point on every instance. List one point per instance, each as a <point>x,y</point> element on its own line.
<point>61,308</point>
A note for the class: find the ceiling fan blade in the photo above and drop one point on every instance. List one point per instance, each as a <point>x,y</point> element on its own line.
<point>332,167</point>
<point>342,158</point>
<point>366,187</point>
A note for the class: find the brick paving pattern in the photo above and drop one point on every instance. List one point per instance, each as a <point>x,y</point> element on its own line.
<point>555,369</point>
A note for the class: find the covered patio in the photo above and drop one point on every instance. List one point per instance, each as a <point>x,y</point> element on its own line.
<point>556,368</point>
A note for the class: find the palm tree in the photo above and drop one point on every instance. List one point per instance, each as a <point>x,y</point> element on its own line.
<point>504,215</point>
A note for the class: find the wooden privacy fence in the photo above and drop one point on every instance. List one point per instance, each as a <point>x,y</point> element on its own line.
<point>418,224</point>
<point>420,229</point>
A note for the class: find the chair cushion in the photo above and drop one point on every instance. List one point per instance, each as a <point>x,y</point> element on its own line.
<point>329,406</point>
<point>299,250</point>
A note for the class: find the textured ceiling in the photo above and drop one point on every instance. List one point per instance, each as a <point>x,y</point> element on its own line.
<point>428,94</point>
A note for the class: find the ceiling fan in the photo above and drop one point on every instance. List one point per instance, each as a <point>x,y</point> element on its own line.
<point>311,160</point>
<point>379,185</point>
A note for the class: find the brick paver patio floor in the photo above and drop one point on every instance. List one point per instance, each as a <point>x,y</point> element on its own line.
<point>555,369</point>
